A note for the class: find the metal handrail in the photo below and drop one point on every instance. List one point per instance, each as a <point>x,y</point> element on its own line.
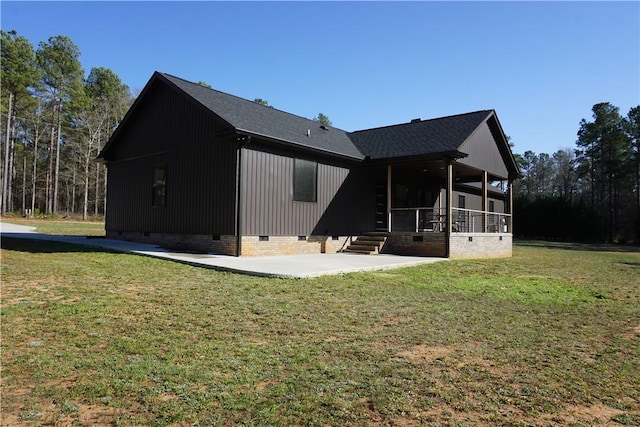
<point>462,221</point>
<point>473,221</point>
<point>422,219</point>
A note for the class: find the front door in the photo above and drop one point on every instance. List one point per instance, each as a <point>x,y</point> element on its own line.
<point>381,207</point>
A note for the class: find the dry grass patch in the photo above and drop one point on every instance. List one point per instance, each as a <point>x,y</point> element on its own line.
<point>584,415</point>
<point>426,354</point>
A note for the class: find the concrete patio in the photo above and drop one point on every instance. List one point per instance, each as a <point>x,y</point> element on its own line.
<point>284,266</point>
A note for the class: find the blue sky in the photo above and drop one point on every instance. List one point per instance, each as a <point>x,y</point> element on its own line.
<point>540,65</point>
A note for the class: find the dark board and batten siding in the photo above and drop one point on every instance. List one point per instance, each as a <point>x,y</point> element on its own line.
<point>172,132</point>
<point>344,206</point>
<point>483,152</point>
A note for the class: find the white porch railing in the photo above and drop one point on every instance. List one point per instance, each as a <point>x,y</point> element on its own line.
<point>463,220</point>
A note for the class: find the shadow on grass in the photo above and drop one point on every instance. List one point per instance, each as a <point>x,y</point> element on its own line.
<point>593,247</point>
<point>632,264</point>
<point>46,246</point>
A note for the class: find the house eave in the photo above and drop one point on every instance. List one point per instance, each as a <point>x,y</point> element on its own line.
<point>299,146</point>
<point>505,149</point>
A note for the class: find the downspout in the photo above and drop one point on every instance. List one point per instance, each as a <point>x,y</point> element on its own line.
<point>239,195</point>
<point>389,176</point>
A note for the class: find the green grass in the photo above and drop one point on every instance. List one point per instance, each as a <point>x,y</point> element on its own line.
<point>548,337</point>
<point>65,227</point>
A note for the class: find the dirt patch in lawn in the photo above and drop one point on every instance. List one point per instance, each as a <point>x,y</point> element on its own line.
<point>261,386</point>
<point>595,414</point>
<point>52,411</point>
<point>62,414</point>
<point>634,333</point>
<point>426,353</point>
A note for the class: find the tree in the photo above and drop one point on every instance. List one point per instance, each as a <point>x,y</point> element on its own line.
<point>34,132</point>
<point>597,183</point>
<point>518,184</point>
<point>632,127</point>
<point>204,84</point>
<point>564,179</point>
<point>537,173</point>
<point>106,102</point>
<point>62,76</point>
<point>19,73</point>
<point>544,174</point>
<point>603,156</point>
<point>262,102</point>
<point>44,96</point>
<point>322,119</point>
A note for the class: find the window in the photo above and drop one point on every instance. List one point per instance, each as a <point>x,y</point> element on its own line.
<point>305,181</point>
<point>492,206</point>
<point>461,202</point>
<point>159,186</point>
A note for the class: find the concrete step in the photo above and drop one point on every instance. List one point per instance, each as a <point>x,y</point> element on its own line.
<point>360,247</point>
<point>376,234</point>
<point>364,247</point>
<point>368,243</point>
<point>373,239</point>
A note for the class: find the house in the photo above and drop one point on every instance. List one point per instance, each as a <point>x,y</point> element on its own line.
<point>194,168</point>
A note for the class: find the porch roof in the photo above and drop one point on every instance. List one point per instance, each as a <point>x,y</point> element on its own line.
<point>443,135</point>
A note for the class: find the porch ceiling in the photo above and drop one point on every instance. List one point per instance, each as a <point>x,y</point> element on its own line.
<point>438,168</point>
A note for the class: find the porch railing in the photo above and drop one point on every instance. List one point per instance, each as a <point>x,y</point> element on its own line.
<point>417,219</point>
<point>463,220</point>
<point>472,221</point>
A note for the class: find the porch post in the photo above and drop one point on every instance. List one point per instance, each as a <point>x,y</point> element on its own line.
<point>389,170</point>
<point>243,141</point>
<point>449,211</point>
<point>485,203</point>
<point>238,202</point>
<point>510,222</point>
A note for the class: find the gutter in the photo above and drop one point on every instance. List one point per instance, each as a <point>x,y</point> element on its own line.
<point>300,146</point>
<point>453,155</point>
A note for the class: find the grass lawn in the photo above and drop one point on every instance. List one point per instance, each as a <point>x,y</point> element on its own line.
<point>548,337</point>
<point>63,227</point>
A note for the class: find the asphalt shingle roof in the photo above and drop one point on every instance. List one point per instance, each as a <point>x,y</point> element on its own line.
<point>435,136</point>
<point>257,119</point>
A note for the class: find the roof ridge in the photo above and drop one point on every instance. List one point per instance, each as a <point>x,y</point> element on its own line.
<point>423,121</point>
<point>270,107</point>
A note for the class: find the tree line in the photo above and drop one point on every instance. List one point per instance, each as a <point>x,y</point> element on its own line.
<point>54,121</point>
<point>590,192</point>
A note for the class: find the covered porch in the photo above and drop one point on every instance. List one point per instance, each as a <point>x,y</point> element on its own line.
<point>443,207</point>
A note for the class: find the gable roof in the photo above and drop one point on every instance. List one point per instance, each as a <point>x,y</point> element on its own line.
<point>420,138</point>
<point>443,135</point>
<point>256,119</point>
